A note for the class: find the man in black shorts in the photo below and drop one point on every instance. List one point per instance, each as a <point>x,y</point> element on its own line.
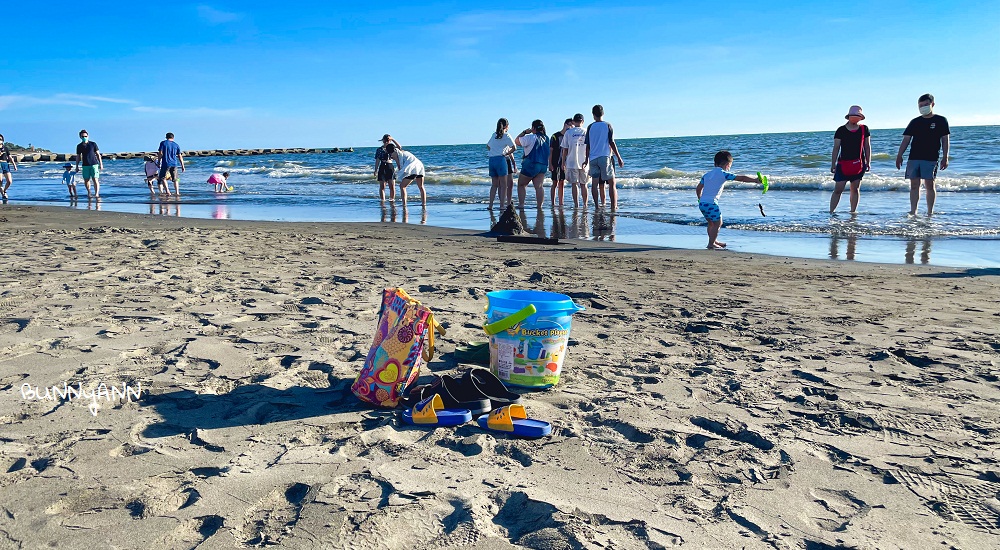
<point>555,163</point>
<point>385,172</point>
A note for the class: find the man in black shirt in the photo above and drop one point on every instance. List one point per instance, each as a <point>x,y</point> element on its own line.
<point>385,173</point>
<point>929,136</point>
<point>555,163</point>
<point>88,153</point>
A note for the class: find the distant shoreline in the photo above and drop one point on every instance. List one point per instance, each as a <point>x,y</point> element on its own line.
<point>63,157</point>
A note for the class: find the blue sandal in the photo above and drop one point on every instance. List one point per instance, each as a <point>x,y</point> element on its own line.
<point>431,411</point>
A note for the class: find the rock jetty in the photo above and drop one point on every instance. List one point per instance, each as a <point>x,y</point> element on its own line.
<point>65,157</point>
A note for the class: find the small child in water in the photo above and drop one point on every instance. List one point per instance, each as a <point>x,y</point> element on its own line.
<point>710,189</point>
<point>220,181</point>
<point>69,178</point>
<point>151,169</point>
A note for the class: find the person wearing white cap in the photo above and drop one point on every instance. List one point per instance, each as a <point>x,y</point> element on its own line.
<point>852,153</point>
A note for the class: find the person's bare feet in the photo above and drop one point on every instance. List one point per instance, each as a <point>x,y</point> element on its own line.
<point>720,244</point>
<point>716,246</point>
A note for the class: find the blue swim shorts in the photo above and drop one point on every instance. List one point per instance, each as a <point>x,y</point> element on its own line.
<point>531,168</point>
<point>711,211</point>
<point>4,168</point>
<point>498,166</point>
<point>923,169</point>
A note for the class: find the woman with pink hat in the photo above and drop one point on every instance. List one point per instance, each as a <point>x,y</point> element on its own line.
<point>852,153</point>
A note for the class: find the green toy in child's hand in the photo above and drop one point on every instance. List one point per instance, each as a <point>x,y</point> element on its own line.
<point>763,181</point>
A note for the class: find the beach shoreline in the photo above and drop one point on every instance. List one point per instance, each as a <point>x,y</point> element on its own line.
<point>574,225</point>
<point>723,400</point>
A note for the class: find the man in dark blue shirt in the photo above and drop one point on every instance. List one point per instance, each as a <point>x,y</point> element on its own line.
<point>171,158</point>
<point>89,154</point>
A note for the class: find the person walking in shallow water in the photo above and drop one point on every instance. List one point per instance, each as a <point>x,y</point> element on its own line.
<point>852,153</point>
<point>89,154</point>
<point>7,164</point>
<point>929,134</point>
<point>171,158</point>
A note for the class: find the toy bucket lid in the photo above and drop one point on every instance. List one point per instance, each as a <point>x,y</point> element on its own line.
<point>544,302</point>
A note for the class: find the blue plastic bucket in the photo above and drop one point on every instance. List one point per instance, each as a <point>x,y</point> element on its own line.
<point>530,352</point>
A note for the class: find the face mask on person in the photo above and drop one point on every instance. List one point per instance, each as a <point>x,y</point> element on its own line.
<point>925,110</point>
<point>84,139</point>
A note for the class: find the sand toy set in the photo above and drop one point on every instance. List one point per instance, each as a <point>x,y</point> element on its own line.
<point>528,340</point>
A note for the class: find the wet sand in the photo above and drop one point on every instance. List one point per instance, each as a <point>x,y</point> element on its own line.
<point>709,400</point>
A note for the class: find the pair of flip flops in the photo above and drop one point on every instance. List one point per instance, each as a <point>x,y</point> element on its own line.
<point>477,390</point>
<point>511,419</point>
<point>453,401</point>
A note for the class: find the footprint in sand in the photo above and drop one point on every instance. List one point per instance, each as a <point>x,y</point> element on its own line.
<point>270,519</point>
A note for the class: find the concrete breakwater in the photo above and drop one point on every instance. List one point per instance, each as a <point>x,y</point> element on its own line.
<point>66,157</point>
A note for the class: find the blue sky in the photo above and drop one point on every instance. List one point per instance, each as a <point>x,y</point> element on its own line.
<point>304,74</point>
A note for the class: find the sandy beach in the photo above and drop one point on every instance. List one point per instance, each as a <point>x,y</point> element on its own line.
<point>709,399</point>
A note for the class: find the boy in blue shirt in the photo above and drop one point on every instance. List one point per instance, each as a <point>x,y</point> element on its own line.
<point>69,178</point>
<point>710,189</point>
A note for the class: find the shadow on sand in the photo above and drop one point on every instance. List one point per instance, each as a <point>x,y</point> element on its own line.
<point>183,411</point>
<point>972,272</point>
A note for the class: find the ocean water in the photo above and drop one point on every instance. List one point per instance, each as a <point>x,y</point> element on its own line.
<point>657,203</point>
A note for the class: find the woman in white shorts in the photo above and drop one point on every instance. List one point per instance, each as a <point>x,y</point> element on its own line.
<point>410,169</point>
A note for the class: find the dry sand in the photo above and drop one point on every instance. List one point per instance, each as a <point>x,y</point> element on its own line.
<point>709,400</point>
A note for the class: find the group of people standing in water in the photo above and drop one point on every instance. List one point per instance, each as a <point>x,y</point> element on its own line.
<point>573,154</point>
<point>570,154</point>
<point>927,136</point>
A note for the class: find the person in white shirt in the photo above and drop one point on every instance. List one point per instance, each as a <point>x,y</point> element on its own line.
<point>710,189</point>
<point>410,169</point>
<point>498,147</point>
<point>574,159</point>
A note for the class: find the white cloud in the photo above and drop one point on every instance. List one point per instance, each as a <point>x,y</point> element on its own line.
<point>213,16</point>
<point>470,29</point>
<point>197,111</point>
<point>74,100</point>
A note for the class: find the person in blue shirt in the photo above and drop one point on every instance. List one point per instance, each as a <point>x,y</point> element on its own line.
<point>170,158</point>
<point>710,189</point>
<point>535,143</point>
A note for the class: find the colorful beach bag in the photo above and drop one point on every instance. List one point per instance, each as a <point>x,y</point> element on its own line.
<point>404,338</point>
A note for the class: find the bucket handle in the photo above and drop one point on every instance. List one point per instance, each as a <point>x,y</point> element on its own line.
<point>497,327</point>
